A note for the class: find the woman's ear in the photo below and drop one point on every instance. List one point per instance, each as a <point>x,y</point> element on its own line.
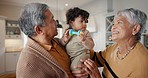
<point>136,29</point>
<point>37,30</point>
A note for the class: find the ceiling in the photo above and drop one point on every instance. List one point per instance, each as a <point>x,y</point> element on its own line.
<point>60,4</point>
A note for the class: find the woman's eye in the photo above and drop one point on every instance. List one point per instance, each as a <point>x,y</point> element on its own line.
<point>120,22</point>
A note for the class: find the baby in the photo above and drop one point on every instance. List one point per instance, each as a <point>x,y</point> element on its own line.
<point>77,45</point>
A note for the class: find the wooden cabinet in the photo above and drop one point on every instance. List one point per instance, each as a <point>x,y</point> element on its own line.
<point>11,61</point>
<point>2,45</point>
<point>12,30</point>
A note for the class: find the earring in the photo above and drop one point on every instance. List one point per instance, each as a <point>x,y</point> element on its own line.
<point>133,33</point>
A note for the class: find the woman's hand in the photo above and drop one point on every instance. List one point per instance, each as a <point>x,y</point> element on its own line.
<point>92,69</point>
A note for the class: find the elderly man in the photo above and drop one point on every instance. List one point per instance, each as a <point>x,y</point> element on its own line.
<point>43,56</point>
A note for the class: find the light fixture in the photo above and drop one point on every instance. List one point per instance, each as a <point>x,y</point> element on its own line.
<point>66,4</point>
<point>58,24</point>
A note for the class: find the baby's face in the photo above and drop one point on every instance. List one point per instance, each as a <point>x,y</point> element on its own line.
<point>79,24</point>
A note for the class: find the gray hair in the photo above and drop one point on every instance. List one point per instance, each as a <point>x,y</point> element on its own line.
<point>134,16</point>
<point>32,15</point>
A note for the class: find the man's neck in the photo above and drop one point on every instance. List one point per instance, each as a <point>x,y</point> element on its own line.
<point>43,41</point>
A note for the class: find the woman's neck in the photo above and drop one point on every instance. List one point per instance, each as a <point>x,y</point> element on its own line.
<point>126,46</point>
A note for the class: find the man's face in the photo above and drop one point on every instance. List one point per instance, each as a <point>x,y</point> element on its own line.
<point>50,28</point>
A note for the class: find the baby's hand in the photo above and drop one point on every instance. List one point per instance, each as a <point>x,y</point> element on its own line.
<point>82,36</point>
<point>66,36</point>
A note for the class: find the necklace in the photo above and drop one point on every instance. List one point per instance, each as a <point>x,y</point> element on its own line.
<point>121,58</point>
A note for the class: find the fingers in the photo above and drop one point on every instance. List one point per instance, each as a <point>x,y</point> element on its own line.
<point>87,70</point>
<point>67,32</point>
<point>66,36</point>
<point>83,60</point>
<point>80,66</point>
<point>91,67</point>
<point>81,33</point>
<point>89,63</point>
<point>80,73</point>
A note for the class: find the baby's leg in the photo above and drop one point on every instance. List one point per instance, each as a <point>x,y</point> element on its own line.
<point>76,60</point>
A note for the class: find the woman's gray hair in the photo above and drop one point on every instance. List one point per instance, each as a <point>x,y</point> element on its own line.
<point>32,15</point>
<point>134,16</point>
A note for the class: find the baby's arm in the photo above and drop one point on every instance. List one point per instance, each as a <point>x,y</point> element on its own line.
<point>62,41</point>
<point>65,38</point>
<point>87,40</point>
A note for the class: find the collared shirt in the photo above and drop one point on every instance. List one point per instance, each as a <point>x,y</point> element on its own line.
<point>60,55</point>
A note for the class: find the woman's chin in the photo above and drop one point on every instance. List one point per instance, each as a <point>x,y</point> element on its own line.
<point>113,38</point>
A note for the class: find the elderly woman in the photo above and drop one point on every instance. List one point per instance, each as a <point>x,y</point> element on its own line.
<point>127,58</point>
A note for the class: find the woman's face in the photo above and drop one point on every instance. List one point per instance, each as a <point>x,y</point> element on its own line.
<point>121,30</point>
<point>78,24</point>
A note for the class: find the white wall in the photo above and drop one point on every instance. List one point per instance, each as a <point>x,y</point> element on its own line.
<point>11,12</point>
<point>137,4</point>
<point>98,9</point>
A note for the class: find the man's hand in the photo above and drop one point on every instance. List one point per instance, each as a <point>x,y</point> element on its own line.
<point>80,73</point>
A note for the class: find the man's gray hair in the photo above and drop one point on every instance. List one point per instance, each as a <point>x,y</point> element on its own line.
<point>134,16</point>
<point>32,15</point>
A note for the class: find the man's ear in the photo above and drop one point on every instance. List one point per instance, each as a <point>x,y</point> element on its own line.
<point>136,29</point>
<point>37,30</point>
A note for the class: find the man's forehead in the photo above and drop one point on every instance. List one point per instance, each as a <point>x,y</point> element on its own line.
<point>48,13</point>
